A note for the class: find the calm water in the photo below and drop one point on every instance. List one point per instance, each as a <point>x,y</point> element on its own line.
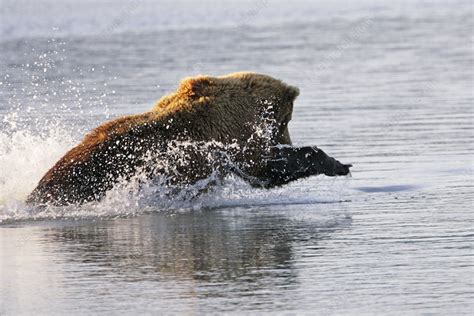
<point>386,87</point>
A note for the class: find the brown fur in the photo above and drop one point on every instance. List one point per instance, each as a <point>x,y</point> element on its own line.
<point>203,109</point>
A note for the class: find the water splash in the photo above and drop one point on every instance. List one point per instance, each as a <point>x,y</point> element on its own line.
<point>47,114</point>
<point>141,194</point>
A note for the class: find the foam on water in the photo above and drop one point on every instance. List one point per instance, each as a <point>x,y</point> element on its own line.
<point>25,158</point>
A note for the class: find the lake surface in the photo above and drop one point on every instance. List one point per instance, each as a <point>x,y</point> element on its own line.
<point>384,86</point>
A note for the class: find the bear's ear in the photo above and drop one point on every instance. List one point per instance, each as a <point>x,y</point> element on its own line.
<point>292,93</point>
<point>196,86</point>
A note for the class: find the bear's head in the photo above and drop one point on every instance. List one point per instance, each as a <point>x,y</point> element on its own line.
<point>245,97</point>
<point>272,98</point>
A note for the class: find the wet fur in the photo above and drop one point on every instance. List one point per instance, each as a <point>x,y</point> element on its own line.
<point>202,109</point>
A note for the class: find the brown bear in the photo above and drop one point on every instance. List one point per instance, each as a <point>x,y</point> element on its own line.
<point>231,124</point>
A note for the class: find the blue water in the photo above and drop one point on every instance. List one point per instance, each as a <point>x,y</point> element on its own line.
<point>384,86</point>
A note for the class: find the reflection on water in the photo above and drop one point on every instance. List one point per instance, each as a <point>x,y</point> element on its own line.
<point>200,246</point>
<point>226,254</point>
